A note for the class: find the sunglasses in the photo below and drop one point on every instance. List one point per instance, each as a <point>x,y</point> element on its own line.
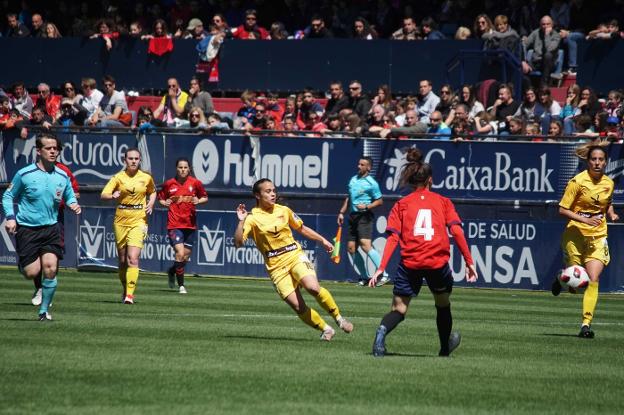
<point>445,92</point>
<point>172,86</point>
<point>43,92</point>
<point>69,88</point>
<point>194,115</point>
<point>435,119</point>
<point>354,88</point>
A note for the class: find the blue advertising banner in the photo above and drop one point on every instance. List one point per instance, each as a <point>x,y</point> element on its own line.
<point>508,254</point>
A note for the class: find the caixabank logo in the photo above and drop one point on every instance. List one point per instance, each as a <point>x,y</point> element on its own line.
<point>91,244</point>
<point>211,246</point>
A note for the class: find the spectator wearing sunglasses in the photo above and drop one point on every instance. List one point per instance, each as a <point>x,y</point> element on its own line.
<point>250,27</point>
<point>172,104</point>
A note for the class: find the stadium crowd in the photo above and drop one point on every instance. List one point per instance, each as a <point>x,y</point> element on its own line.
<point>542,34</point>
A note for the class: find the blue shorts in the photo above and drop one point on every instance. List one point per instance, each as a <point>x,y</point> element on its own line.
<point>181,236</point>
<point>407,282</point>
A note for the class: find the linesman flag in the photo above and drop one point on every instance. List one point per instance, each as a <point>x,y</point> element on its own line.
<point>335,256</point>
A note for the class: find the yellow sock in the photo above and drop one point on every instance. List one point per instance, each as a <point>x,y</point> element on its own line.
<point>589,302</point>
<point>132,276</point>
<point>122,276</point>
<point>313,319</point>
<point>325,300</point>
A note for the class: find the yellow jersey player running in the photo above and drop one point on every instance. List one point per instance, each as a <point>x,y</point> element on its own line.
<point>131,188</point>
<point>269,225</point>
<point>586,203</point>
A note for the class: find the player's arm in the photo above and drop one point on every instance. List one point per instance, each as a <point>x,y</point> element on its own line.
<point>70,198</point>
<point>613,217</point>
<point>591,221</point>
<point>374,204</point>
<point>342,211</point>
<point>239,237</point>
<point>151,198</point>
<point>460,240</point>
<point>110,191</point>
<point>391,244</point>
<point>8,197</point>
<point>162,196</point>
<point>315,236</point>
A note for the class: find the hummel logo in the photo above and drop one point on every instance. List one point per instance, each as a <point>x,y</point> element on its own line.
<point>91,237</point>
<point>212,246</point>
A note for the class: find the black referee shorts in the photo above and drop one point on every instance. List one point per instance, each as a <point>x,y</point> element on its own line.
<point>32,243</point>
<point>361,225</point>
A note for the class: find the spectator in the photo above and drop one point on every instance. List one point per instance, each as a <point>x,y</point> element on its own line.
<point>172,104</point>
<point>113,111</point>
<point>273,106</point>
<point>15,27</point>
<point>136,29</point>
<point>584,125</point>
<point>544,42</point>
<point>571,109</point>
<point>105,31</point>
<point>334,126</point>
<point>198,97</point>
<point>555,130</point>
<point>51,31</point>
<point>462,33</point>
<point>144,112</point>
<point>589,102</point>
<point>469,98</point>
<point>447,103</point>
<point>69,91</point>
<point>383,98</point>
<point>358,103</point>
<point>399,112</point>
<point>318,29</point>
<point>530,110</point>
<point>195,30</point>
<point>437,126</point>
<point>485,125</point>
<point>197,118</point>
<point>376,120</point>
<point>460,115</point>
<point>614,104</point>
<point>482,25</point>
<point>221,25</point>
<point>552,109</point>
<point>216,124</point>
<point>429,29</point>
<point>5,110</point>
<point>427,101</point>
<point>290,108</point>
<point>363,30</point>
<point>250,26</point>
<point>308,106</point>
<point>516,128</point>
<point>278,31</point>
<point>409,31</point>
<point>38,26</point>
<point>289,125</point>
<point>50,103</point>
<point>504,108</point>
<point>532,130</point>
<point>159,30</point>
<point>610,30</point>
<point>337,101</point>
<point>270,123</point>
<point>412,127</point>
<point>353,124</point>
<point>258,122</point>
<point>313,123</point>
<point>70,116</point>
<point>504,37</point>
<point>38,119</point>
<point>91,98</point>
<point>21,100</point>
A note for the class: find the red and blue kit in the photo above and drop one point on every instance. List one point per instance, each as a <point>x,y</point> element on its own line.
<point>182,211</point>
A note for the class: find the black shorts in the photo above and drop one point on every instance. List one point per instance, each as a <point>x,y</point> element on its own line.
<point>361,225</point>
<point>407,282</point>
<point>32,243</point>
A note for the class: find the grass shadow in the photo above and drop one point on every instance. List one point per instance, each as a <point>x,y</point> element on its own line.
<point>391,354</point>
<point>268,338</point>
<point>558,335</point>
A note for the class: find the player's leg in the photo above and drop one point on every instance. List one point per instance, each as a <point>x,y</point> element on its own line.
<point>571,247</point>
<point>440,284</point>
<point>407,284</point>
<point>305,275</point>
<point>178,265</point>
<point>365,234</point>
<point>132,273</point>
<point>27,247</point>
<point>49,268</point>
<point>594,268</point>
<point>352,248</point>
<point>121,240</point>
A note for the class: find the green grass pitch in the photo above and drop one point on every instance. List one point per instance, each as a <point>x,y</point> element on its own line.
<point>231,346</point>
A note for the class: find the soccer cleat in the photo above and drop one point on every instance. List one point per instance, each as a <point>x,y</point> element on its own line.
<point>379,345</point>
<point>383,280</point>
<point>171,276</point>
<point>45,316</point>
<point>586,332</point>
<point>555,289</point>
<point>328,333</point>
<point>363,283</point>
<point>129,299</point>
<point>36,298</point>
<point>453,343</point>
<point>182,289</point>
<point>345,325</point>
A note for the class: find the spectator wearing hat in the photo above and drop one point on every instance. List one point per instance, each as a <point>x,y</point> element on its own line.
<point>195,30</point>
<point>250,27</point>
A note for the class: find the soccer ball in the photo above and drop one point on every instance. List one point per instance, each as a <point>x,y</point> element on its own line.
<point>574,278</point>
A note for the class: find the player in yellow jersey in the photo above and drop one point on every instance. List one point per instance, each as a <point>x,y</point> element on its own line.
<point>135,193</point>
<point>269,225</point>
<point>586,202</point>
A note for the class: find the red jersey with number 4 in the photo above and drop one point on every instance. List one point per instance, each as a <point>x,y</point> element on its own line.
<point>421,220</point>
<point>182,212</point>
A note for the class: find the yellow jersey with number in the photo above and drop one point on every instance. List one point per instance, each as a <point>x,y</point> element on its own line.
<point>133,198</point>
<point>271,231</point>
<point>588,197</point>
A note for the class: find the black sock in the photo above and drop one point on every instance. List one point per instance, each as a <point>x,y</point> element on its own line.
<point>444,321</point>
<point>37,281</point>
<point>391,320</point>
<point>179,272</point>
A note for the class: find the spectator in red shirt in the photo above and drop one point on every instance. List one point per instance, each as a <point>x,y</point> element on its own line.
<point>181,195</point>
<point>419,222</point>
<point>273,107</point>
<point>50,103</point>
<point>106,31</point>
<point>250,26</point>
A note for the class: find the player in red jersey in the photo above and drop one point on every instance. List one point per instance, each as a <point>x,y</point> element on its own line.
<point>419,222</point>
<point>181,194</point>
<point>37,296</point>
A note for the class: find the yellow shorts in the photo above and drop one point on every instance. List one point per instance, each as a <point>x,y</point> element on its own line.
<point>130,235</point>
<point>288,277</point>
<point>579,249</point>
